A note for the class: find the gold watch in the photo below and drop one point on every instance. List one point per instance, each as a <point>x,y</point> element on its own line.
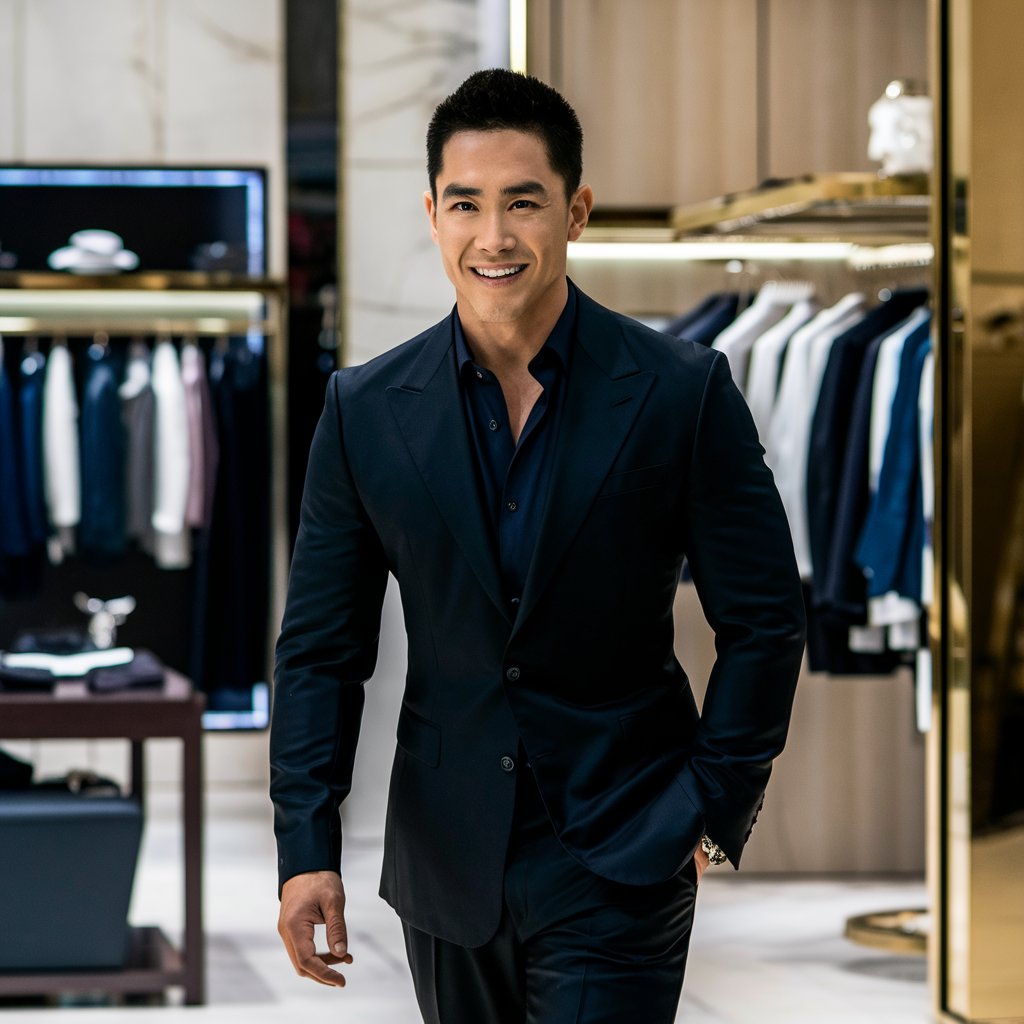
<point>715,854</point>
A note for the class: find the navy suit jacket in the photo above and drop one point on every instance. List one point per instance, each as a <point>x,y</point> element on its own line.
<point>657,457</point>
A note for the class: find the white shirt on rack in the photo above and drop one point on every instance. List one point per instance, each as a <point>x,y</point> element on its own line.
<point>771,304</point>
<point>62,482</point>
<point>765,358</point>
<point>172,542</point>
<point>789,430</point>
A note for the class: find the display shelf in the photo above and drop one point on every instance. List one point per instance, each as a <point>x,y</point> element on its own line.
<point>833,215</point>
<point>852,205</point>
<point>171,304</point>
<point>151,966</point>
<point>175,710</point>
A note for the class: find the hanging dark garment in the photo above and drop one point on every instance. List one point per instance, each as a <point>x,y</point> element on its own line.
<point>890,544</point>
<point>15,534</point>
<point>137,417</point>
<point>101,531</point>
<point>705,328</point>
<point>230,653</point>
<point>33,368</point>
<point>828,647</point>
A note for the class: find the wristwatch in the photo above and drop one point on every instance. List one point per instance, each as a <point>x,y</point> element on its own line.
<point>715,854</point>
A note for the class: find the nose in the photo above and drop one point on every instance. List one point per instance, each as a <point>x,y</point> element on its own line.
<point>494,236</point>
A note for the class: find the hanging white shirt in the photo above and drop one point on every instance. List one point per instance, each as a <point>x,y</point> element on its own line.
<point>771,304</point>
<point>789,430</point>
<point>765,358</point>
<point>172,541</point>
<point>62,482</point>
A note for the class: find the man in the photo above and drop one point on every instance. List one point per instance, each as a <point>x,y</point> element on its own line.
<point>533,471</point>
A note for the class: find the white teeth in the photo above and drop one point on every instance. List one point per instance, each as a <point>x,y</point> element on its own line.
<point>504,272</point>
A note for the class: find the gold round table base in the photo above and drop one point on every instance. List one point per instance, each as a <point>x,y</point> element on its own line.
<point>897,931</point>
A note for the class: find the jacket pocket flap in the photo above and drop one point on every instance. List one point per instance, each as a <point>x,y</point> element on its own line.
<point>419,737</point>
<point>635,480</point>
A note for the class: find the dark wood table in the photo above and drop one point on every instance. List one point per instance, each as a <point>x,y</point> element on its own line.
<point>72,712</point>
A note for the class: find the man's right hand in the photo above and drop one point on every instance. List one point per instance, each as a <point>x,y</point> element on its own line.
<point>312,898</point>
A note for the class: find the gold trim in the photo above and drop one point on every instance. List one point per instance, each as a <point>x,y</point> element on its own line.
<point>897,205</point>
<point>150,280</point>
<point>205,326</point>
<point>896,931</point>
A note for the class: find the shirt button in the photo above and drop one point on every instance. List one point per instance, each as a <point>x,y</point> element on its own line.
<point>511,506</point>
<point>479,375</point>
<point>507,764</point>
<point>493,424</point>
<point>512,674</point>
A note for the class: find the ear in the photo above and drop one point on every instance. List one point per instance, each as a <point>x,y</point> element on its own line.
<point>579,211</point>
<point>431,207</point>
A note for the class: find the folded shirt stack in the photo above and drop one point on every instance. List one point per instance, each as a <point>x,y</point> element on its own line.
<point>116,668</point>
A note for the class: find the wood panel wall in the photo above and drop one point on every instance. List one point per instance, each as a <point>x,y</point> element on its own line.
<point>682,100</point>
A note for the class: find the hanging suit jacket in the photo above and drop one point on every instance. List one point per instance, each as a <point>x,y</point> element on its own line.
<point>656,458</point>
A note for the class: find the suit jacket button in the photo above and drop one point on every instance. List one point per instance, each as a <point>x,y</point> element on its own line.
<point>507,764</point>
<point>512,674</point>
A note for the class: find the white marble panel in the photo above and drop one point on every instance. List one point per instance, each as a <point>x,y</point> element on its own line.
<point>12,69</point>
<point>224,93</point>
<point>93,88</point>
<point>393,266</point>
<point>224,80</point>
<point>371,332</point>
<point>401,58</point>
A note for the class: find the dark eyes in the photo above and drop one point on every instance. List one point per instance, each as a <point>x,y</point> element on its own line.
<point>465,206</point>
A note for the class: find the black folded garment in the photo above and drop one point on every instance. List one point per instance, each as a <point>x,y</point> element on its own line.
<point>144,670</point>
<point>14,773</point>
<point>26,679</point>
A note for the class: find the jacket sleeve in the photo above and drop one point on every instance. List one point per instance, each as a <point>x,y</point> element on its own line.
<point>326,651</point>
<point>741,558</point>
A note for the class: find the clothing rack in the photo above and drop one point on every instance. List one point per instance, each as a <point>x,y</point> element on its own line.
<point>180,307</point>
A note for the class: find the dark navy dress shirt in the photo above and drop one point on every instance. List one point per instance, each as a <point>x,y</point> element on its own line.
<point>515,478</point>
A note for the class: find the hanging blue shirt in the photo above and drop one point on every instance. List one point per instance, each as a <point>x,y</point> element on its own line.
<point>101,532</point>
<point>515,478</point>
<point>15,541</point>
<point>33,368</point>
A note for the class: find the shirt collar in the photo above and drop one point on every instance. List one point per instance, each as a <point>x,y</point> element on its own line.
<point>559,341</point>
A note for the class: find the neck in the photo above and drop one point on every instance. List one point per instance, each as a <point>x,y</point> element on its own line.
<point>507,346</point>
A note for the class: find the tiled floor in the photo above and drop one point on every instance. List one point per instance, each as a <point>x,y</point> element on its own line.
<point>763,950</point>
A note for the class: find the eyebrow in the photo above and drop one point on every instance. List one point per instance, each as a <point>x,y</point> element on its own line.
<point>527,188</point>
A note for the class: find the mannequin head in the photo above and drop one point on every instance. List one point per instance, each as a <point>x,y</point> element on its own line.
<point>901,130</point>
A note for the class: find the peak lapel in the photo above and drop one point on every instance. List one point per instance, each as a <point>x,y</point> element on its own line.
<point>605,394</point>
<point>429,413</point>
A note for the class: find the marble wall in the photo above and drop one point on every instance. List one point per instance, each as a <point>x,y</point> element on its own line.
<point>399,59</point>
<point>147,82</point>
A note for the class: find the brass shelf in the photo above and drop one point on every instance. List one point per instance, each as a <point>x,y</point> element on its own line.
<point>150,280</point>
<point>850,203</point>
<point>853,207</point>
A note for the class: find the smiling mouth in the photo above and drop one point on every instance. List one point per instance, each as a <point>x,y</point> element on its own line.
<point>498,272</point>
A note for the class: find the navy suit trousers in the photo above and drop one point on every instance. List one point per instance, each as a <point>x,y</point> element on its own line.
<point>571,947</point>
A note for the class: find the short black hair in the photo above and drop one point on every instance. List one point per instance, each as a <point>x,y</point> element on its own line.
<point>498,99</point>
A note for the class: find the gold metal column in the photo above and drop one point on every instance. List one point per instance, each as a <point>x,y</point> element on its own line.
<point>977,745</point>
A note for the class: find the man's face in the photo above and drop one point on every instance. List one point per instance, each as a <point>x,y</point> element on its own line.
<point>502,222</point>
